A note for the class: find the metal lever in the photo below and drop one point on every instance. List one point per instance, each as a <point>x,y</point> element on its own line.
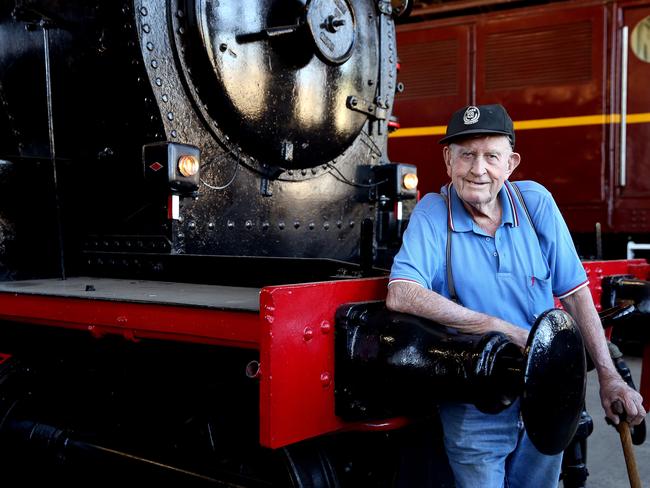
<point>622,180</point>
<point>613,314</point>
<point>268,33</point>
<point>332,24</point>
<point>281,30</point>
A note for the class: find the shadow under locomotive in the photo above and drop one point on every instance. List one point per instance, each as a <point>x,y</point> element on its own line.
<point>188,412</point>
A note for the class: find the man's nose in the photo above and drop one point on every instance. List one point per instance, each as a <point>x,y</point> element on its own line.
<point>478,165</point>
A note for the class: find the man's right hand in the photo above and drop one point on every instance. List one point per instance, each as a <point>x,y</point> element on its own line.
<point>518,335</point>
<point>414,299</point>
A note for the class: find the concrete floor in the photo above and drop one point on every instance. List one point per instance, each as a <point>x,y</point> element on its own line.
<point>605,455</point>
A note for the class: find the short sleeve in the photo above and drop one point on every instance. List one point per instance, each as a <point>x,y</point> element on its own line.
<point>419,258</point>
<point>567,272</point>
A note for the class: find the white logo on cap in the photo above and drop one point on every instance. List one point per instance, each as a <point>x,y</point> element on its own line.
<point>471,115</point>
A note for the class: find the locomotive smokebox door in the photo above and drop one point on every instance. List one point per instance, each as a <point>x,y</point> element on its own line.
<point>275,76</point>
<point>171,167</point>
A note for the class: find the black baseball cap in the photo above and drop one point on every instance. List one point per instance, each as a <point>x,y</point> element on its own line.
<point>479,119</point>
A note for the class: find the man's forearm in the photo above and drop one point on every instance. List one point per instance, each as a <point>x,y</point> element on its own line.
<point>414,299</point>
<point>580,306</point>
<point>614,392</point>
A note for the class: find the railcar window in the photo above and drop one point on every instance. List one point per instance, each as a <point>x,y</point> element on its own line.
<point>640,40</point>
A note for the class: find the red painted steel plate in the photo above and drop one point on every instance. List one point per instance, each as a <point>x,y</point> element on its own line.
<point>597,270</point>
<point>297,356</point>
<point>187,323</point>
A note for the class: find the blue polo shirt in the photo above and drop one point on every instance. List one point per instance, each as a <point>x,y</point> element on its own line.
<point>513,275</point>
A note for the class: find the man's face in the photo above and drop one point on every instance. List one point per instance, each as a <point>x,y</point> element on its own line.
<point>478,167</point>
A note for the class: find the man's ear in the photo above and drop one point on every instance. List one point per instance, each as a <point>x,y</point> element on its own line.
<point>446,154</point>
<point>513,162</point>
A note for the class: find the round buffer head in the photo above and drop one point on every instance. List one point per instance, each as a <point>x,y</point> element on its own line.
<point>554,381</point>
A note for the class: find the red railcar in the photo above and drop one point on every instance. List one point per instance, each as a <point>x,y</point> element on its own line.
<point>221,321</point>
<point>573,76</point>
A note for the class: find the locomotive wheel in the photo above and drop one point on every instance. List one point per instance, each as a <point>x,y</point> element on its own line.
<point>309,465</point>
<point>555,380</point>
<point>10,395</point>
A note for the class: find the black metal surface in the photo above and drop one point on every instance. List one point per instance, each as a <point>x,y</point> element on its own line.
<point>273,94</point>
<point>158,415</point>
<point>45,26</point>
<point>137,291</point>
<point>630,330</point>
<point>402,8</point>
<point>94,68</point>
<point>286,164</point>
<point>554,381</point>
<point>310,466</point>
<point>77,411</point>
<point>390,363</point>
<point>610,317</point>
<point>105,461</point>
<point>625,289</point>
<point>100,120</point>
<point>333,26</point>
<point>246,271</point>
<point>574,460</point>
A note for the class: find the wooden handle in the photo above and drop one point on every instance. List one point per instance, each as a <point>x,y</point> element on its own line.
<point>628,451</point>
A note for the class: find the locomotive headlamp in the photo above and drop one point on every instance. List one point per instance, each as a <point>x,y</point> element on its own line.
<point>396,181</point>
<point>188,165</point>
<point>170,167</point>
<point>410,181</point>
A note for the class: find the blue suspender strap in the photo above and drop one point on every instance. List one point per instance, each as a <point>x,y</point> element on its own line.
<point>523,204</point>
<point>450,276</point>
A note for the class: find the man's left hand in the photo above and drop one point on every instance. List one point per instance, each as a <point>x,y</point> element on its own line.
<point>613,389</point>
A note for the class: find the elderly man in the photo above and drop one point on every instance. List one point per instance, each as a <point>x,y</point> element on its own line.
<point>489,255</point>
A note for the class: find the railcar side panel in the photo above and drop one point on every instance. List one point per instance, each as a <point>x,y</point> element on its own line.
<point>557,69</point>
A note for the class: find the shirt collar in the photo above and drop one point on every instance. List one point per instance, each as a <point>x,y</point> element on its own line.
<point>459,219</point>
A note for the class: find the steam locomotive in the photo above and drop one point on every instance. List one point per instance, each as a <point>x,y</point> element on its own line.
<point>196,213</point>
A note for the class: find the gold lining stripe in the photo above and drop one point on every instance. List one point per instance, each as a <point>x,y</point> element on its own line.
<point>436,130</point>
<point>582,120</point>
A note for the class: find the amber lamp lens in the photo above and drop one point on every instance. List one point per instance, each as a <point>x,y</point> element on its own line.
<point>410,181</point>
<point>188,165</point>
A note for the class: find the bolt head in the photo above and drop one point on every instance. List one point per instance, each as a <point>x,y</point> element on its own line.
<point>308,334</point>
